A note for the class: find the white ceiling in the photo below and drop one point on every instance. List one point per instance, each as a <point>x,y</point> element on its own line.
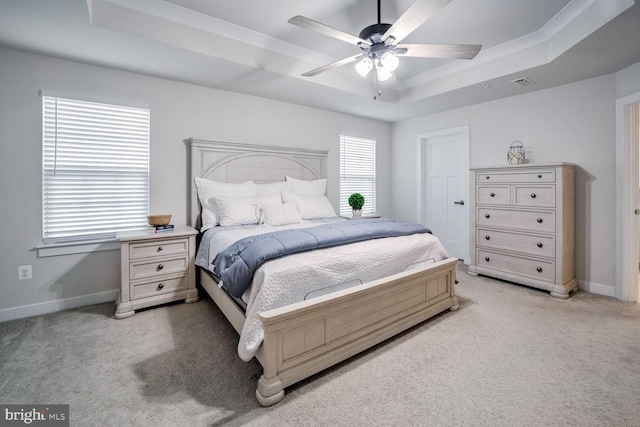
<point>247,46</point>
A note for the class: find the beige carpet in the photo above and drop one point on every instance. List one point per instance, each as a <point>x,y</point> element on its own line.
<point>511,356</point>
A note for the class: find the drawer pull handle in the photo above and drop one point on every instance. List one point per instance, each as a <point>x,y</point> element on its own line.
<point>160,286</point>
<point>539,176</point>
<point>539,244</point>
<point>533,195</point>
<point>539,269</point>
<point>493,194</point>
<point>486,259</point>
<point>487,176</point>
<point>159,248</point>
<point>487,237</point>
<point>487,216</point>
<point>539,220</point>
<point>160,266</point>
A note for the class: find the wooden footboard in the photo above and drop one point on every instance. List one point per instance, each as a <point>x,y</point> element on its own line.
<point>304,338</point>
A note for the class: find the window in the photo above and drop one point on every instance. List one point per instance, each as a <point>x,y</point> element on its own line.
<point>357,172</point>
<point>95,169</point>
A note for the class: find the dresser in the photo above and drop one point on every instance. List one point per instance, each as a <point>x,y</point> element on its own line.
<point>522,226</point>
<point>156,268</point>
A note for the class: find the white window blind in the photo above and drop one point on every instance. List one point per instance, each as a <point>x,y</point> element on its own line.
<point>95,176</point>
<point>357,172</point>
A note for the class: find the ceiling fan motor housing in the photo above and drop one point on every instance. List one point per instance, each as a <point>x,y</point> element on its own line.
<point>374,33</point>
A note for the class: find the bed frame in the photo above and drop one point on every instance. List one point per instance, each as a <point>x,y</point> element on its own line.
<point>304,338</point>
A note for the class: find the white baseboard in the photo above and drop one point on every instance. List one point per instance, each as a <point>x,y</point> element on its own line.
<point>57,305</point>
<point>597,288</point>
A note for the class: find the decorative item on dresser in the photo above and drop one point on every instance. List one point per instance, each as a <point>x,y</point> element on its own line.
<point>522,225</point>
<point>156,268</point>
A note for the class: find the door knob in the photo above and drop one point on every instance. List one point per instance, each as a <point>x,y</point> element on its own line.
<point>461,202</point>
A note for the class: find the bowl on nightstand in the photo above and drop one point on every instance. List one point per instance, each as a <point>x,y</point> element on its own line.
<point>158,219</point>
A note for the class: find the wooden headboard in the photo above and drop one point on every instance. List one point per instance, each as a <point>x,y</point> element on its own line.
<point>234,162</point>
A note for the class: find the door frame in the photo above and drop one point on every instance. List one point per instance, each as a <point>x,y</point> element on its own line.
<point>423,172</point>
<point>627,172</point>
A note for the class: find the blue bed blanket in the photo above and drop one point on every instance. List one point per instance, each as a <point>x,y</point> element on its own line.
<point>236,265</point>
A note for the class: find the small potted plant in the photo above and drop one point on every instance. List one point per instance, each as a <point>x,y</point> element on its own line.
<point>356,201</point>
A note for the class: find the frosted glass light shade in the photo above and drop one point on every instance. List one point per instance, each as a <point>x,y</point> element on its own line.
<point>363,67</point>
<point>389,61</point>
<point>383,74</point>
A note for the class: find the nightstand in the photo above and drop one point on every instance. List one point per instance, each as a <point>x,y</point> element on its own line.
<point>156,268</point>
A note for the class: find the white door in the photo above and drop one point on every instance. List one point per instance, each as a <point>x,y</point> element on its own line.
<point>445,188</point>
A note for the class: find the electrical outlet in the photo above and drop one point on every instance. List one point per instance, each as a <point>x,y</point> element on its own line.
<point>24,272</point>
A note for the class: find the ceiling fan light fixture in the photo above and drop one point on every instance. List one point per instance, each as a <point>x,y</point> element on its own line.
<point>389,61</point>
<point>383,73</point>
<point>363,67</point>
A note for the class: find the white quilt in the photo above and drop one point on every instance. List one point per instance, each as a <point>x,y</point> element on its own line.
<point>306,275</point>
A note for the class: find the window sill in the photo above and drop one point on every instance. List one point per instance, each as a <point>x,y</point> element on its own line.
<point>57,249</point>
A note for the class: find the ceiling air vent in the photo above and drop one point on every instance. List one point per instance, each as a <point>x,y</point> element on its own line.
<point>523,82</point>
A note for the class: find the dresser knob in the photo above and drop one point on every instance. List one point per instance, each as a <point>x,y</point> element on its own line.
<point>159,248</point>
<point>487,237</point>
<point>487,176</point>
<point>487,216</point>
<point>539,269</point>
<point>539,220</point>
<point>493,194</point>
<point>160,266</point>
<point>533,195</point>
<point>539,176</point>
<point>539,244</point>
<point>160,286</point>
<point>486,259</point>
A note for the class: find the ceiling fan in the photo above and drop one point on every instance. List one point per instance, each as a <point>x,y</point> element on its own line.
<point>380,46</point>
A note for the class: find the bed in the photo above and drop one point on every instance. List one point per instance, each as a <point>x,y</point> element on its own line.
<point>305,337</point>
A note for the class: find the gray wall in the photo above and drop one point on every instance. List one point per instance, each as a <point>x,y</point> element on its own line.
<point>178,111</point>
<point>572,123</point>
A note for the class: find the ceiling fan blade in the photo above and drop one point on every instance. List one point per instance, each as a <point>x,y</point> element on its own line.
<point>415,16</point>
<point>336,64</point>
<point>449,51</point>
<point>310,24</point>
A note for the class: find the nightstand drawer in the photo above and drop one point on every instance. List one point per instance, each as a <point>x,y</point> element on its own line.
<point>527,267</point>
<point>141,270</point>
<point>540,221</point>
<point>543,197</point>
<point>158,248</point>
<point>144,290</point>
<point>525,243</point>
<point>494,195</point>
<point>512,177</point>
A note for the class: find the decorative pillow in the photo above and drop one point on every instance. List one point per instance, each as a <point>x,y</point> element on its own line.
<point>317,187</point>
<point>281,214</point>
<point>272,187</point>
<point>243,210</point>
<point>209,190</point>
<point>310,207</point>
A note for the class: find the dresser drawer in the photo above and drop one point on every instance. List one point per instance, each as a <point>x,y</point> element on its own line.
<point>144,290</point>
<point>539,221</point>
<point>151,268</point>
<point>536,245</point>
<point>534,269</point>
<point>542,175</point>
<point>158,247</point>
<point>538,196</point>
<point>493,195</point>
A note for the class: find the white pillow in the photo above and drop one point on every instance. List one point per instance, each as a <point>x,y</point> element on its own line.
<point>272,187</point>
<point>317,187</point>
<point>209,190</point>
<point>310,207</point>
<point>237,210</point>
<point>243,210</point>
<point>281,214</point>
